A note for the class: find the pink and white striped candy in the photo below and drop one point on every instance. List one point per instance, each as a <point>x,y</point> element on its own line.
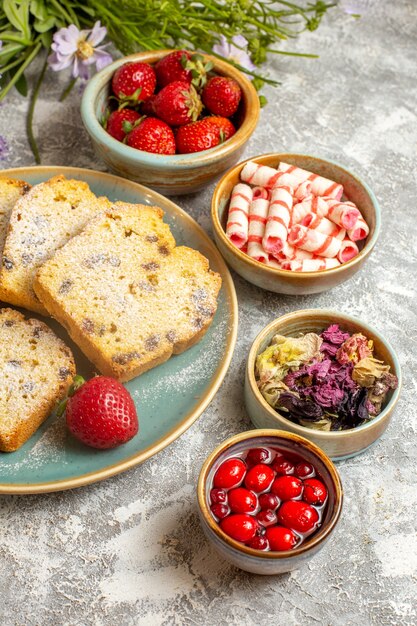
<point>279,216</point>
<point>290,253</point>
<point>313,204</point>
<point>323,225</point>
<point>261,192</point>
<point>258,212</point>
<point>359,231</point>
<point>237,220</point>
<point>265,176</point>
<point>345,214</point>
<point>321,186</point>
<point>303,191</point>
<point>272,262</point>
<point>309,265</point>
<point>313,241</point>
<point>348,250</point>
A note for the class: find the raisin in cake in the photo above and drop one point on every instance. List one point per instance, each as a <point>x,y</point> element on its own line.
<point>36,369</point>
<point>40,222</point>
<point>10,192</point>
<point>127,296</point>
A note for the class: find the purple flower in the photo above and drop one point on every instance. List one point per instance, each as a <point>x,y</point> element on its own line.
<point>80,49</point>
<point>327,395</point>
<point>235,51</point>
<point>334,335</point>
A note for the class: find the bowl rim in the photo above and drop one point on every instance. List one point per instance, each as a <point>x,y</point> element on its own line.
<point>272,271</point>
<point>337,315</point>
<point>97,132</point>
<point>316,539</point>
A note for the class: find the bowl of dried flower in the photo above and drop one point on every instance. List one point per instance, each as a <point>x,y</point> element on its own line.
<point>323,375</point>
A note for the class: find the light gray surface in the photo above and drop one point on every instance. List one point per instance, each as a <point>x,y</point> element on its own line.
<point>130,550</point>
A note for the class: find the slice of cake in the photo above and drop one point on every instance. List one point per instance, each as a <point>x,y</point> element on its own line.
<point>127,296</point>
<point>10,192</point>
<point>36,369</point>
<point>40,222</point>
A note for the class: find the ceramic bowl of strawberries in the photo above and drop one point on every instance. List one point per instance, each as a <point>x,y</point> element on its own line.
<point>268,500</point>
<point>172,120</point>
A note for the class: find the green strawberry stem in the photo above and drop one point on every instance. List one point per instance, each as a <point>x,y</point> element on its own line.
<point>76,384</point>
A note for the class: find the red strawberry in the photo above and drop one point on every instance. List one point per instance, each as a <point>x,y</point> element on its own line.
<point>197,136</point>
<point>225,126</point>
<point>152,135</point>
<point>221,96</point>
<point>181,65</point>
<point>118,122</point>
<point>101,413</point>
<point>134,82</point>
<point>178,103</point>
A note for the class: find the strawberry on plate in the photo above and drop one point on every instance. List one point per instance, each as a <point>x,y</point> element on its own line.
<point>221,96</point>
<point>152,135</point>
<point>178,103</point>
<point>184,66</point>
<point>101,412</point>
<point>197,136</point>
<point>119,123</point>
<point>134,82</point>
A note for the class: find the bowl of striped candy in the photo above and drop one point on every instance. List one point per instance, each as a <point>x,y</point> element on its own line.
<point>293,223</point>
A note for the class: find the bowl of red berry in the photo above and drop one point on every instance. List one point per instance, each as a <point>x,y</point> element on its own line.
<point>170,119</point>
<point>268,500</point>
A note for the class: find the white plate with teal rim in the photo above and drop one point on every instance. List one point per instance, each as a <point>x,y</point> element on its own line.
<point>169,398</point>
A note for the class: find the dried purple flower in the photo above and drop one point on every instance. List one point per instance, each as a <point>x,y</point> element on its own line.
<point>299,407</point>
<point>333,334</point>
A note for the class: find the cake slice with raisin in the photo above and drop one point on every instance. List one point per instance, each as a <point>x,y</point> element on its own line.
<point>127,296</point>
<point>40,222</point>
<point>36,369</point>
<point>10,192</point>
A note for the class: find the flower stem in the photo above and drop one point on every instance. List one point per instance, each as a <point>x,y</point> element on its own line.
<point>29,119</point>
<point>67,90</point>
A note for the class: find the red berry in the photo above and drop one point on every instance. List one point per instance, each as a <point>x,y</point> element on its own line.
<point>220,510</point>
<point>267,518</point>
<point>218,496</point>
<point>178,103</point>
<point>152,135</point>
<point>119,123</point>
<point>298,515</point>
<point>240,527</point>
<point>314,492</point>
<point>134,82</point>
<point>287,487</point>
<point>223,125</point>
<point>146,108</point>
<point>101,413</point>
<point>229,474</point>
<point>304,470</point>
<point>282,466</point>
<point>259,478</point>
<point>258,455</point>
<point>268,501</point>
<point>242,500</point>
<point>221,96</point>
<point>280,538</point>
<point>181,65</point>
<point>172,68</point>
<point>258,543</point>
<point>196,137</point>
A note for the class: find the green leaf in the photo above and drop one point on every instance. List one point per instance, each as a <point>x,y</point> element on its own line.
<point>22,86</point>
<point>46,39</point>
<point>17,12</point>
<point>9,51</point>
<point>38,9</point>
<point>41,26</point>
<point>262,101</point>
